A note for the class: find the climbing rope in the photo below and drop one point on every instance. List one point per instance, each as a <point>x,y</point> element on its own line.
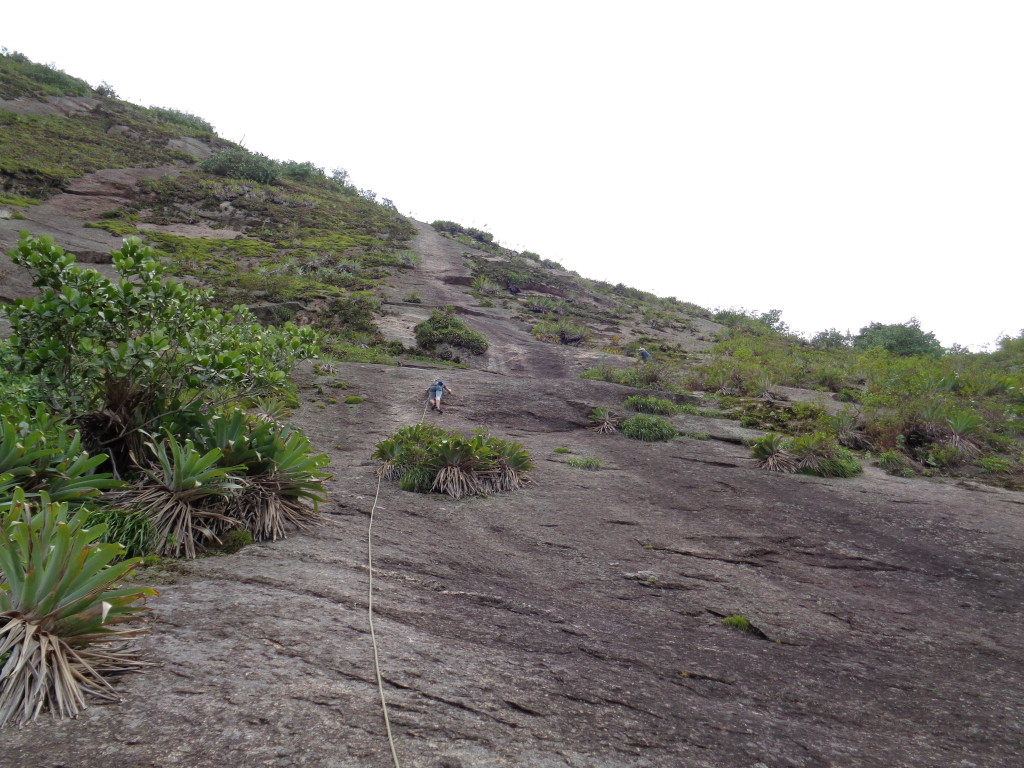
<point>369,613</point>
<point>373,634</point>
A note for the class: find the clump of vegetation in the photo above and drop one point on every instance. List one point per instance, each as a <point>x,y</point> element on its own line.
<point>648,428</point>
<point>561,449</point>
<point>235,540</point>
<point>111,354</point>
<point>133,529</point>
<point>195,124</point>
<point>741,623</point>
<point>65,618</point>
<point>649,376</point>
<point>354,400</point>
<point>239,163</point>
<point>24,77</point>
<point>903,339</point>
<point>425,458</point>
<point>772,452</point>
<point>814,454</point>
<point>604,421</point>
<point>819,454</point>
<point>124,361</point>
<point>562,331</point>
<point>444,327</point>
<point>893,462</point>
<point>650,404</point>
<point>584,463</point>
<point>457,230</point>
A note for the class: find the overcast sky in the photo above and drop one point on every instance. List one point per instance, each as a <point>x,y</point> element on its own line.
<point>843,162</point>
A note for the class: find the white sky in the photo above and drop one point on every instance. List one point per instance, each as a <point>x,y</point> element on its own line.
<point>845,162</point>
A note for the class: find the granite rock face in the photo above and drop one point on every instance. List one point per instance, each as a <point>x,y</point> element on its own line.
<point>577,622</point>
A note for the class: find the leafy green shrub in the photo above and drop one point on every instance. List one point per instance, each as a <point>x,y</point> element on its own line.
<point>186,119</point>
<point>945,456</point>
<point>584,463</point>
<point>443,327</point>
<point>650,404</point>
<point>238,163</point>
<point>354,400</point>
<point>64,619</point>
<point>775,416</point>
<point>901,339</point>
<point>355,311</point>
<point>426,458</point>
<point>561,449</point>
<point>306,171</point>
<point>693,410</point>
<point>120,353</point>
<point>648,428</point>
<point>471,233</point>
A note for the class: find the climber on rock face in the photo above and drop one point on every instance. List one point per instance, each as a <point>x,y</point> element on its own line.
<point>434,392</point>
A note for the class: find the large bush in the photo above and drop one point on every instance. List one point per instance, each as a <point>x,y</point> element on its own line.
<point>444,327</point>
<point>116,355</point>
<point>899,338</point>
<point>238,163</point>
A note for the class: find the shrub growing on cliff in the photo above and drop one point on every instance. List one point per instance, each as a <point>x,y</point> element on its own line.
<point>238,163</point>
<point>650,404</point>
<point>819,454</point>
<point>648,428</point>
<point>425,458</point>
<point>115,355</point>
<point>444,327</point>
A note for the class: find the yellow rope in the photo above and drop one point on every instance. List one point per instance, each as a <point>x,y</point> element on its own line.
<point>369,614</point>
<point>373,634</point>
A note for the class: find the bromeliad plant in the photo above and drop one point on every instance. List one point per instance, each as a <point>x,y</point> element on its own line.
<point>425,458</point>
<point>64,622</point>
<point>604,421</point>
<point>283,489</point>
<point>772,452</point>
<point>184,496</point>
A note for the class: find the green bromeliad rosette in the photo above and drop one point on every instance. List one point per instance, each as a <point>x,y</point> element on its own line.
<point>65,622</point>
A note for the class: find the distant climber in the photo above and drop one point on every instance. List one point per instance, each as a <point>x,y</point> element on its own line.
<point>645,356</point>
<point>434,392</point>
